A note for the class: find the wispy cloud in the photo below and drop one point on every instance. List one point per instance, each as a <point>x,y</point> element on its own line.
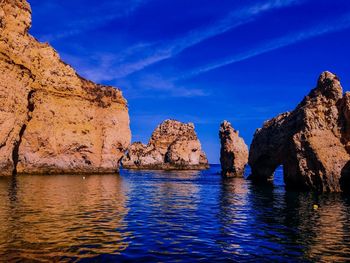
<point>111,10</point>
<point>155,86</point>
<point>167,85</point>
<point>338,24</point>
<point>164,50</point>
<point>293,38</point>
<point>158,83</point>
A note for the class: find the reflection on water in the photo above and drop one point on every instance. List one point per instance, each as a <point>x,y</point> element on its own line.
<point>168,216</point>
<point>62,217</point>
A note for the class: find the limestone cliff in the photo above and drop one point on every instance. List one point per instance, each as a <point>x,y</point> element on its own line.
<point>234,151</point>
<point>173,145</point>
<point>311,142</point>
<point>52,120</point>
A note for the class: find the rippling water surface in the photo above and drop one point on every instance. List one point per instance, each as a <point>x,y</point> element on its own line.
<point>168,217</point>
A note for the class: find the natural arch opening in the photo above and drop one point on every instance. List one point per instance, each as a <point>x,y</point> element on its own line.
<point>263,170</point>
<point>278,177</point>
<point>345,178</point>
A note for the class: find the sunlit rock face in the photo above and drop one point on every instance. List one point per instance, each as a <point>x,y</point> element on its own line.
<point>173,145</point>
<point>311,142</point>
<point>234,151</point>
<point>52,120</point>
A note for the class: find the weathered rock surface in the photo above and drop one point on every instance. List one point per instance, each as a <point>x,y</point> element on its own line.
<point>234,151</point>
<point>312,142</point>
<point>173,145</point>
<point>52,120</point>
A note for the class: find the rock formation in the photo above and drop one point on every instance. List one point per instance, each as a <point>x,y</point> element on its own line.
<point>52,120</point>
<point>173,145</point>
<point>234,151</point>
<point>312,142</point>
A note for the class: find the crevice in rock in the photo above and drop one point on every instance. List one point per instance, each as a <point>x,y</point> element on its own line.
<point>8,136</point>
<point>20,66</point>
<point>15,151</point>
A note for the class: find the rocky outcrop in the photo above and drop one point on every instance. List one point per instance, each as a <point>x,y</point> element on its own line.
<point>312,142</point>
<point>234,151</point>
<point>52,120</point>
<point>173,145</point>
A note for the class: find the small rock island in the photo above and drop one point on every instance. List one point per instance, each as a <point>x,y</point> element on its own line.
<point>234,151</point>
<point>312,142</point>
<point>173,146</point>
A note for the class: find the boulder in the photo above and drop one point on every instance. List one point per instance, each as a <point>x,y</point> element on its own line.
<point>173,145</point>
<point>234,151</point>
<point>51,119</point>
<point>311,142</point>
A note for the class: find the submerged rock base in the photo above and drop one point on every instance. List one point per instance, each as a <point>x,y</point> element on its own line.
<point>312,142</point>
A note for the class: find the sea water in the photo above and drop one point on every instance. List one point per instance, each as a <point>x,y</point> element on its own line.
<point>158,216</point>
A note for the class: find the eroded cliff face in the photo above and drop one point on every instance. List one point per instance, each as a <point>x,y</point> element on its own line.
<point>173,145</point>
<point>52,120</point>
<point>233,153</point>
<point>311,142</point>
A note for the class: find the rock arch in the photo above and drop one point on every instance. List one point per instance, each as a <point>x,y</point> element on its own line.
<point>311,142</point>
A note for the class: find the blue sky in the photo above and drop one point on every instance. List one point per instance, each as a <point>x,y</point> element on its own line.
<point>201,61</point>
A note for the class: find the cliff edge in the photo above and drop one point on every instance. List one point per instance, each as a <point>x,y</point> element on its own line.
<point>52,120</point>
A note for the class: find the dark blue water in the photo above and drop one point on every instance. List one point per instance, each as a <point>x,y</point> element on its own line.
<point>168,217</point>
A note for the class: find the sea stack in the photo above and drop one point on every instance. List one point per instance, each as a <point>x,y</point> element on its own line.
<point>234,151</point>
<point>52,120</point>
<point>173,146</point>
<point>312,142</point>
